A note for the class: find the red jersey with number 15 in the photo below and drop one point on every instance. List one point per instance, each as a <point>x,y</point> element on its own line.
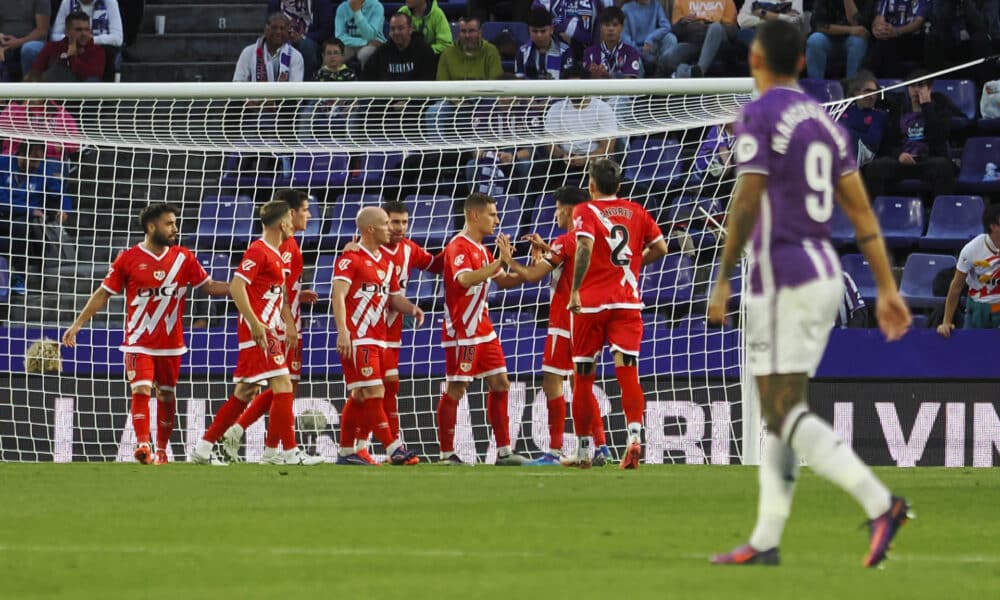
<point>466,321</point>
<point>265,272</point>
<point>405,256</point>
<point>372,280</point>
<point>155,288</point>
<point>621,229</point>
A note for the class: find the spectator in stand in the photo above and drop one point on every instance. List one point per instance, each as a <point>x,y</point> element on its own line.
<point>406,58</point>
<point>43,117</point>
<point>575,21</point>
<point>979,267</point>
<point>647,27</point>
<point>755,12</point>
<point>472,59</point>
<point>359,26</point>
<point>842,27</point>
<point>429,21</point>
<point>959,32</point>
<point>74,58</point>
<point>497,172</point>
<point>611,57</point>
<point>545,56</point>
<point>105,25</point>
<point>271,57</point>
<point>30,197</point>
<point>310,23</point>
<point>24,27</point>
<point>333,68</point>
<point>916,141</point>
<point>703,29</point>
<point>989,102</point>
<point>898,29</point>
<point>863,119</point>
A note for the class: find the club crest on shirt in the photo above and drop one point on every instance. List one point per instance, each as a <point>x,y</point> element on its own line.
<point>130,375</point>
<point>296,365</point>
<point>465,367</point>
<point>159,275</point>
<point>367,371</point>
<point>380,273</point>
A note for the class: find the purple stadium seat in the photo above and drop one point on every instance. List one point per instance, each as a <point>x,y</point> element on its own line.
<point>4,280</point>
<point>322,282</point>
<point>654,163</point>
<point>226,222</point>
<point>901,219</point>
<point>509,209</point>
<point>431,220</point>
<point>978,153</point>
<point>918,277</point>
<point>319,170</point>
<point>492,29</point>
<point>686,211</point>
<point>823,90</point>
<point>251,171</point>
<point>841,229</point>
<point>962,93</point>
<point>670,281</point>
<point>857,267</point>
<point>219,266</point>
<point>954,221</point>
<point>376,169</point>
<point>340,217</point>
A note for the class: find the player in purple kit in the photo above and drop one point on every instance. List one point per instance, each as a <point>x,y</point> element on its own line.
<point>792,161</point>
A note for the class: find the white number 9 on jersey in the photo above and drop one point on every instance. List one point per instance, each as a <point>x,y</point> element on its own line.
<point>819,178</point>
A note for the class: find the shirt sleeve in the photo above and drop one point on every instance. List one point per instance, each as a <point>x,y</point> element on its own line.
<point>584,223</point>
<point>344,269</point>
<point>249,265</point>
<point>114,281</point>
<point>752,132</point>
<point>456,261</point>
<point>964,257</point>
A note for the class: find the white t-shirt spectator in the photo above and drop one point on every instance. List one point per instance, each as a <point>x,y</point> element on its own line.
<point>980,260</point>
<point>596,120</point>
<point>105,21</point>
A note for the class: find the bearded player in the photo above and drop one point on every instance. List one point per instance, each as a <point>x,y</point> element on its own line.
<point>291,253</point>
<point>793,161</point>
<point>155,276</point>
<point>258,289</point>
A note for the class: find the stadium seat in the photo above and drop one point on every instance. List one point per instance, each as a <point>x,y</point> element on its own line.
<point>962,94</point>
<point>4,280</point>
<point>226,222</point>
<point>509,209</point>
<point>340,218</point>
<point>954,221</point>
<point>312,236</point>
<point>319,170</point>
<point>823,90</point>
<point>492,29</point>
<point>978,153</point>
<point>431,220</point>
<point>901,219</point>
<point>670,281</point>
<point>322,282</point>
<point>856,265</point>
<point>422,288</point>
<point>654,163</point>
<point>687,211</point>
<point>920,322</point>
<point>253,171</point>
<point>376,169</point>
<point>884,83</point>
<point>841,228</point>
<point>918,277</point>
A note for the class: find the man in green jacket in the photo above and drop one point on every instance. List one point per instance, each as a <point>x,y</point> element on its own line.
<point>430,22</point>
<point>472,58</point>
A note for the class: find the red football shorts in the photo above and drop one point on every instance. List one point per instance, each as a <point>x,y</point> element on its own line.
<point>390,362</point>
<point>620,327</point>
<point>160,372</point>
<point>466,363</point>
<point>254,365</point>
<point>294,361</point>
<point>558,357</point>
<point>365,369</point>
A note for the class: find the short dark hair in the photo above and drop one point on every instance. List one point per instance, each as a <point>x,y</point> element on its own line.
<point>469,19</point>
<point>406,16</point>
<point>293,198</point>
<point>991,216</point>
<point>918,74</point>
<point>782,45</point>
<point>395,206</point>
<point>273,211</point>
<point>571,195</point>
<point>153,212</point>
<point>606,175</point>
<point>575,71</point>
<point>334,42</point>
<point>76,15</point>
<point>539,17</point>
<point>612,14</point>
<point>29,147</point>
<point>478,201</point>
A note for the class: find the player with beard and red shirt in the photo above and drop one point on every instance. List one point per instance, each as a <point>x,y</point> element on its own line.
<point>258,290</point>
<point>155,276</point>
<point>291,254</point>
<point>365,286</point>
<point>614,239</point>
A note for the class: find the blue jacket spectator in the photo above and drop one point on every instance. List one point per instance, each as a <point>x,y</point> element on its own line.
<point>648,29</point>
<point>359,26</point>
<point>865,121</point>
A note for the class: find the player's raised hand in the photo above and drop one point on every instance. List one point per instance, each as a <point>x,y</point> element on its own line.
<point>537,242</point>
<point>353,245</point>
<point>504,249</point>
<point>718,302</point>
<point>893,315</point>
<point>344,343</point>
<point>69,338</point>
<point>574,305</point>
<point>308,297</point>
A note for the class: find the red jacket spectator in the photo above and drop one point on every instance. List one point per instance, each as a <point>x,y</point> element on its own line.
<point>87,60</point>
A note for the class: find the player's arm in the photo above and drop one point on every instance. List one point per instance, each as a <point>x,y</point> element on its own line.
<point>291,332</point>
<point>654,252</point>
<point>581,262</point>
<point>238,290</point>
<point>403,305</point>
<point>951,303</point>
<point>890,310</point>
<point>744,211</point>
<point>219,289</point>
<point>531,274</point>
<point>468,279</point>
<point>340,289</point>
<point>94,305</point>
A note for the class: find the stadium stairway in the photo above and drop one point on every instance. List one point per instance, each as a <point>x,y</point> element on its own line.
<point>202,40</point>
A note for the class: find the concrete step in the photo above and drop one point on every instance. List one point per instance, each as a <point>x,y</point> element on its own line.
<point>180,71</point>
<point>211,17</point>
<point>184,47</point>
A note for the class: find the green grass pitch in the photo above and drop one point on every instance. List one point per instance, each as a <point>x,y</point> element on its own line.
<point>252,531</point>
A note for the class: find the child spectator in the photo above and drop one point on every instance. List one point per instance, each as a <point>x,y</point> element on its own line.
<point>611,57</point>
<point>545,56</point>
<point>333,68</point>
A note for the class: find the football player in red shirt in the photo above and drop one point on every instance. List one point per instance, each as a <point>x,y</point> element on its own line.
<point>471,347</point>
<point>258,289</point>
<point>614,239</point>
<point>365,286</point>
<point>155,276</point>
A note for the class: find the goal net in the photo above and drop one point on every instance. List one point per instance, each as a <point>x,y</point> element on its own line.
<point>218,151</point>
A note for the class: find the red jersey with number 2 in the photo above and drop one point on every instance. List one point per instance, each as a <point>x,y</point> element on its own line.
<point>265,272</point>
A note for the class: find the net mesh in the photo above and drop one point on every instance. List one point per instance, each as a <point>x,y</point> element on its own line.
<point>219,158</point>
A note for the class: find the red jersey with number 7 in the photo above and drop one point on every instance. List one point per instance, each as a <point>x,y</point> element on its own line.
<point>621,229</point>
<point>372,281</point>
<point>265,272</point>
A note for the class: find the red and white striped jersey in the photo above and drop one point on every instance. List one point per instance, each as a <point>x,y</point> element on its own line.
<point>265,272</point>
<point>621,229</point>
<point>291,255</point>
<point>466,321</point>
<point>405,256</point>
<point>155,288</point>
<point>372,280</point>
<point>561,258</point>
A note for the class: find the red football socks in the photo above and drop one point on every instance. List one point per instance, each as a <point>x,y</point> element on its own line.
<point>224,419</point>
<point>140,417</point>
<point>447,416</point>
<point>389,405</point>
<point>165,412</point>
<point>496,411</point>
<point>633,403</point>
<point>252,413</point>
<point>281,422</point>
<point>376,420</point>
<point>557,422</point>
<point>349,421</point>
<point>583,404</point>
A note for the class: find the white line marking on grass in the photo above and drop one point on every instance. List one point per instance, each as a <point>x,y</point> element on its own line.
<point>250,552</point>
